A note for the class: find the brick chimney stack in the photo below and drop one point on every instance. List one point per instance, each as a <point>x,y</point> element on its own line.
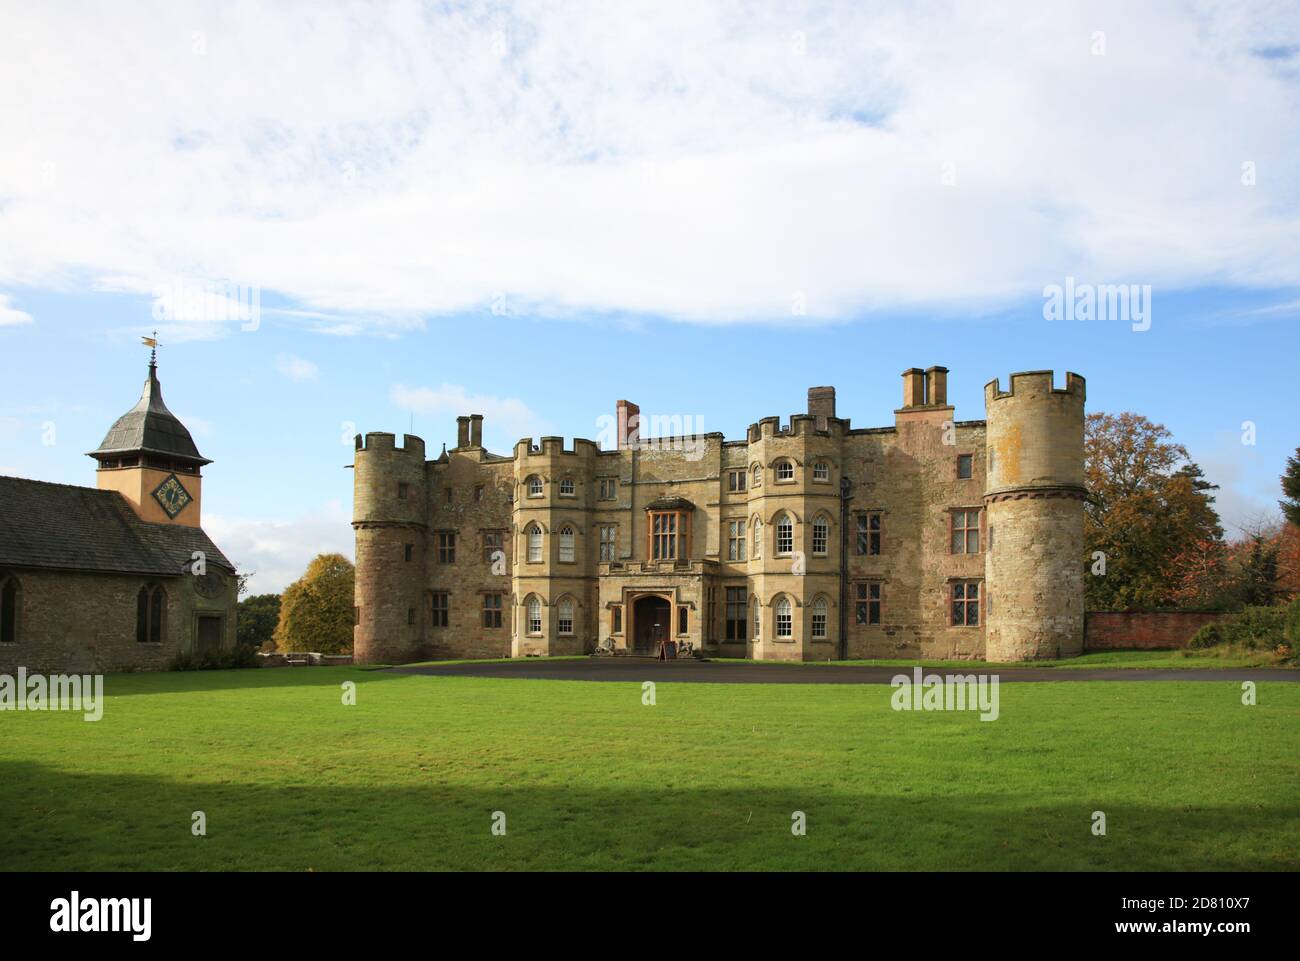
<point>629,424</point>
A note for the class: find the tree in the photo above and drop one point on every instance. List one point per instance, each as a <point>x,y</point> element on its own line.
<point>1151,512</point>
<point>1291,488</point>
<point>257,619</point>
<point>316,612</point>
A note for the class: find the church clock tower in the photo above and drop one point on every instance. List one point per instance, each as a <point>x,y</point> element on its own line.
<point>150,459</point>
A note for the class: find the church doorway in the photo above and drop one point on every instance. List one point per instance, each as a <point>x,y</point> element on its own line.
<point>209,634</point>
<point>651,622</point>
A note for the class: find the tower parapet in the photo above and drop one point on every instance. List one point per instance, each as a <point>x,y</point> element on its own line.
<point>1034,498</point>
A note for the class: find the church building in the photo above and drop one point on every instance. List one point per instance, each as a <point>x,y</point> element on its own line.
<point>119,576</point>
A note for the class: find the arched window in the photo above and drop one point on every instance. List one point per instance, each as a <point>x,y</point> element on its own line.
<point>784,535</point>
<point>534,534</point>
<point>150,608</point>
<point>534,486</point>
<point>821,535</point>
<point>534,615</point>
<point>785,470</point>
<point>564,616</point>
<point>819,619</point>
<point>566,544</point>
<point>566,487</point>
<point>758,612</point>
<point>758,476</point>
<point>9,595</point>
<point>821,471</point>
<point>784,620</point>
<point>757,552</point>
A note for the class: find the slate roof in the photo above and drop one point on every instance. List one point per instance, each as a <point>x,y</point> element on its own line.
<point>149,426</point>
<point>62,527</point>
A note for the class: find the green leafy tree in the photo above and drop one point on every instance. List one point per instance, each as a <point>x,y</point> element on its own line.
<point>1151,513</point>
<point>1291,488</point>
<point>257,619</point>
<point>316,612</point>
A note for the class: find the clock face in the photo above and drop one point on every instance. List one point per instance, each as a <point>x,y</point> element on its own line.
<point>172,495</point>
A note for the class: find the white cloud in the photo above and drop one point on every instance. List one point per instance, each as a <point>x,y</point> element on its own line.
<point>12,316</point>
<point>506,416</point>
<point>296,368</point>
<point>709,163</point>
<point>279,551</point>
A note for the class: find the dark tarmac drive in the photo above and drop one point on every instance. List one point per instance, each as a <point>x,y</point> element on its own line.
<point>638,669</point>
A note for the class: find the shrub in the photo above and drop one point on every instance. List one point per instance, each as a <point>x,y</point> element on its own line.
<point>1291,627</point>
<point>1258,627</point>
<point>241,655</point>
<point>1208,635</point>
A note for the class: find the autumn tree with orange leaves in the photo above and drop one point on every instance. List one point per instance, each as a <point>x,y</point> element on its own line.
<point>1151,513</point>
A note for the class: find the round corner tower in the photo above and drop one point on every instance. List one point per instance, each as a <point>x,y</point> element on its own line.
<point>389,515</point>
<point>1034,511</point>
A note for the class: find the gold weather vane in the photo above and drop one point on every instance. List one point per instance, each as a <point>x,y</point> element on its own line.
<point>152,344</point>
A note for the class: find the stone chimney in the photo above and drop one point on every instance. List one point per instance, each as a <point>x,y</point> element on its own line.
<point>475,430</point>
<point>914,387</point>
<point>629,424</point>
<point>821,404</point>
<point>936,386</point>
<point>462,432</point>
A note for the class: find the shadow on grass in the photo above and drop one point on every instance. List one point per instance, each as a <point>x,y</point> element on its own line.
<point>175,682</point>
<point>58,820</point>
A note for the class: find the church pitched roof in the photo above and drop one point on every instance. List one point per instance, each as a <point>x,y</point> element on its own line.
<point>149,427</point>
<point>62,527</point>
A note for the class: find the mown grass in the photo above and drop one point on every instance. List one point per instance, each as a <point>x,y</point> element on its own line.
<point>590,778</point>
<point>1206,660</point>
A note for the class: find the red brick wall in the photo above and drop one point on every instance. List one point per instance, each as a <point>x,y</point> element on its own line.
<point>1121,630</point>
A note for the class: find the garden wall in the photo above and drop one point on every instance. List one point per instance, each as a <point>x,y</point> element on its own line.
<point>1147,630</point>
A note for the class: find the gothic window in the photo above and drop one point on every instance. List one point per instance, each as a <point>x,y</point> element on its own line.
<point>668,535</point>
<point>150,609</point>
<point>758,476</point>
<point>683,620</point>
<point>784,470</point>
<point>534,543</point>
<point>534,486</point>
<point>564,616</point>
<point>566,544</point>
<point>757,552</point>
<point>616,619</point>
<point>534,615</point>
<point>9,595</point>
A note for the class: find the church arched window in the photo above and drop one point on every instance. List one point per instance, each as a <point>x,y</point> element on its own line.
<point>9,595</point>
<point>150,611</point>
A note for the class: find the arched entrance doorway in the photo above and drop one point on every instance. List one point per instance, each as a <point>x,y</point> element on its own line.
<point>651,622</point>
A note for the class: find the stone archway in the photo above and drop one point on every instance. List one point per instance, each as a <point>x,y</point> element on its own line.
<point>652,621</point>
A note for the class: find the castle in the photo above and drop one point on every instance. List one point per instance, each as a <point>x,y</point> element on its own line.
<point>932,538</point>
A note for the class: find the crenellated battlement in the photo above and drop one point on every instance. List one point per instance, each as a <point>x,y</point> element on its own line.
<point>1036,383</point>
<point>384,442</point>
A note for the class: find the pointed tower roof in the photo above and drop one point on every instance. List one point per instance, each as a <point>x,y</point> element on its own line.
<point>149,427</point>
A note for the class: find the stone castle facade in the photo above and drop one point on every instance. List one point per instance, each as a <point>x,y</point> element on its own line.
<point>809,541</point>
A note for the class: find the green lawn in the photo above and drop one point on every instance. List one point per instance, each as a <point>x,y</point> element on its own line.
<point>1208,659</point>
<point>589,778</point>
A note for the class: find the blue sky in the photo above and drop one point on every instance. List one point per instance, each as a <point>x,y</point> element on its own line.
<point>705,210</point>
